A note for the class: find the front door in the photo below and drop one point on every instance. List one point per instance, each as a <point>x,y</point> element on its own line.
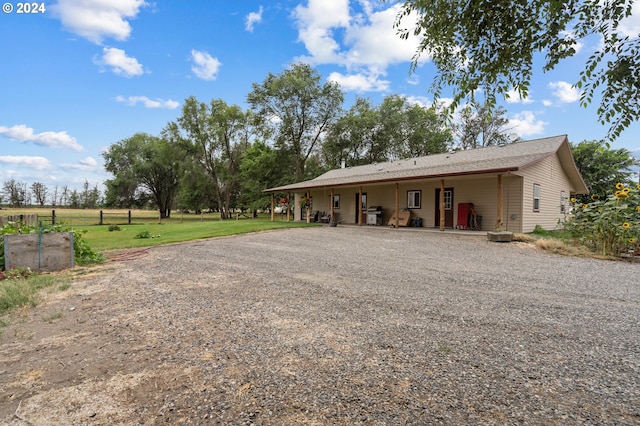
<point>448,208</point>
<point>361,207</point>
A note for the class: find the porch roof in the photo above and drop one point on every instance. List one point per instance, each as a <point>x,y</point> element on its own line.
<point>493,159</point>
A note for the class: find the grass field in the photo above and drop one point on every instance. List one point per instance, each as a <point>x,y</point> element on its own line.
<point>100,238</point>
<point>179,228</point>
<point>116,216</point>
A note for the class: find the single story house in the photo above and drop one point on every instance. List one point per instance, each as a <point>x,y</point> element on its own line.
<point>510,187</point>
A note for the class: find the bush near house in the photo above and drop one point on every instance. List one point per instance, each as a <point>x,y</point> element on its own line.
<point>609,226</point>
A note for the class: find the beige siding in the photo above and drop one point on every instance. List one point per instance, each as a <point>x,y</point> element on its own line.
<point>552,179</point>
<point>482,191</point>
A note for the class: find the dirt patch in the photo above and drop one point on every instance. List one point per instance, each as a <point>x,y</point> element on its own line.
<point>329,326</point>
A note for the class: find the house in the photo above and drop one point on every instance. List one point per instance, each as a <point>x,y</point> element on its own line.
<point>511,187</point>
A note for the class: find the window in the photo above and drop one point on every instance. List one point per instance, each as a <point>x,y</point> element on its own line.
<point>414,199</point>
<point>336,201</point>
<point>563,201</point>
<point>448,199</point>
<point>536,197</point>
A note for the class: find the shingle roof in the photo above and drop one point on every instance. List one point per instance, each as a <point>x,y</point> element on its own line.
<point>503,158</point>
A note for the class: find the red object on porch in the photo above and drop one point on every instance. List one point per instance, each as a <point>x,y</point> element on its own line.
<point>463,216</point>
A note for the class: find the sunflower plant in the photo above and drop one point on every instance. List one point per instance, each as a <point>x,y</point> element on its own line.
<point>609,226</point>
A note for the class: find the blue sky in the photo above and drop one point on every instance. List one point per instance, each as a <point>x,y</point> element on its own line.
<point>88,73</point>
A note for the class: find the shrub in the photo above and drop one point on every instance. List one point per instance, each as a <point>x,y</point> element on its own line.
<point>609,226</point>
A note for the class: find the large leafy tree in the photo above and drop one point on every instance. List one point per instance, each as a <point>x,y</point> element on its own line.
<point>480,125</point>
<point>355,137</point>
<point>492,45</point>
<point>412,129</point>
<point>261,168</point>
<point>296,109</point>
<point>149,161</point>
<point>601,167</point>
<point>39,191</point>
<point>396,129</point>
<point>15,192</point>
<point>216,135</point>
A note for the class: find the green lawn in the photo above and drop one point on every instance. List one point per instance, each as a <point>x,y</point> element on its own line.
<point>101,239</point>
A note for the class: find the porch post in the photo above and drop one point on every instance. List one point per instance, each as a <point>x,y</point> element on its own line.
<point>289,206</point>
<point>333,219</point>
<point>500,197</point>
<point>442,222</point>
<point>397,224</point>
<point>359,207</point>
<point>272,207</point>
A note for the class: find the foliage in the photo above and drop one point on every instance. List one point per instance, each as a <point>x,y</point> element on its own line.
<point>21,289</point>
<point>216,136</point>
<point>396,129</point>
<point>143,234</point>
<point>148,161</point>
<point>261,168</point>
<point>295,110</point>
<point>480,125</point>
<point>83,254</point>
<point>609,225</point>
<point>492,45</point>
<point>15,192</point>
<point>601,167</point>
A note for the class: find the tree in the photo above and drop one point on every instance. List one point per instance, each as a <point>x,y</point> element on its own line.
<point>297,110</point>
<point>355,137</point>
<point>261,168</point>
<point>492,44</point>
<point>39,191</point>
<point>151,162</point>
<point>480,125</point>
<point>412,130</point>
<point>396,129</point>
<point>601,168</point>
<point>215,135</point>
<point>15,192</point>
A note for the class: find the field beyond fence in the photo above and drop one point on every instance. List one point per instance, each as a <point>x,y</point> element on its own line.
<point>115,216</point>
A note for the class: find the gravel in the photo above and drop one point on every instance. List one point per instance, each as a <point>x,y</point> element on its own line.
<point>342,326</point>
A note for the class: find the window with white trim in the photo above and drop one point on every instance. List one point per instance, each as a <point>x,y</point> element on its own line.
<point>536,197</point>
<point>414,199</point>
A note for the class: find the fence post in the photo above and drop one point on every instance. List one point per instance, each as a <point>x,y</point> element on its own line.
<point>53,217</point>
<point>129,217</point>
<point>100,223</point>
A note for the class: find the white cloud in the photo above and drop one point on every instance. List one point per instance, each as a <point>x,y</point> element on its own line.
<point>36,163</point>
<point>565,92</point>
<point>630,26</point>
<point>96,20</point>
<point>515,98</point>
<point>148,103</point>
<point>547,102</point>
<point>252,19</point>
<point>366,44</point>
<point>204,65</point>
<point>525,124</point>
<point>22,133</point>
<point>359,82</point>
<point>86,164</point>
<point>119,62</point>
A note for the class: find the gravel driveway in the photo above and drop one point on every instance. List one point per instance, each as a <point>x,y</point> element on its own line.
<point>336,326</point>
